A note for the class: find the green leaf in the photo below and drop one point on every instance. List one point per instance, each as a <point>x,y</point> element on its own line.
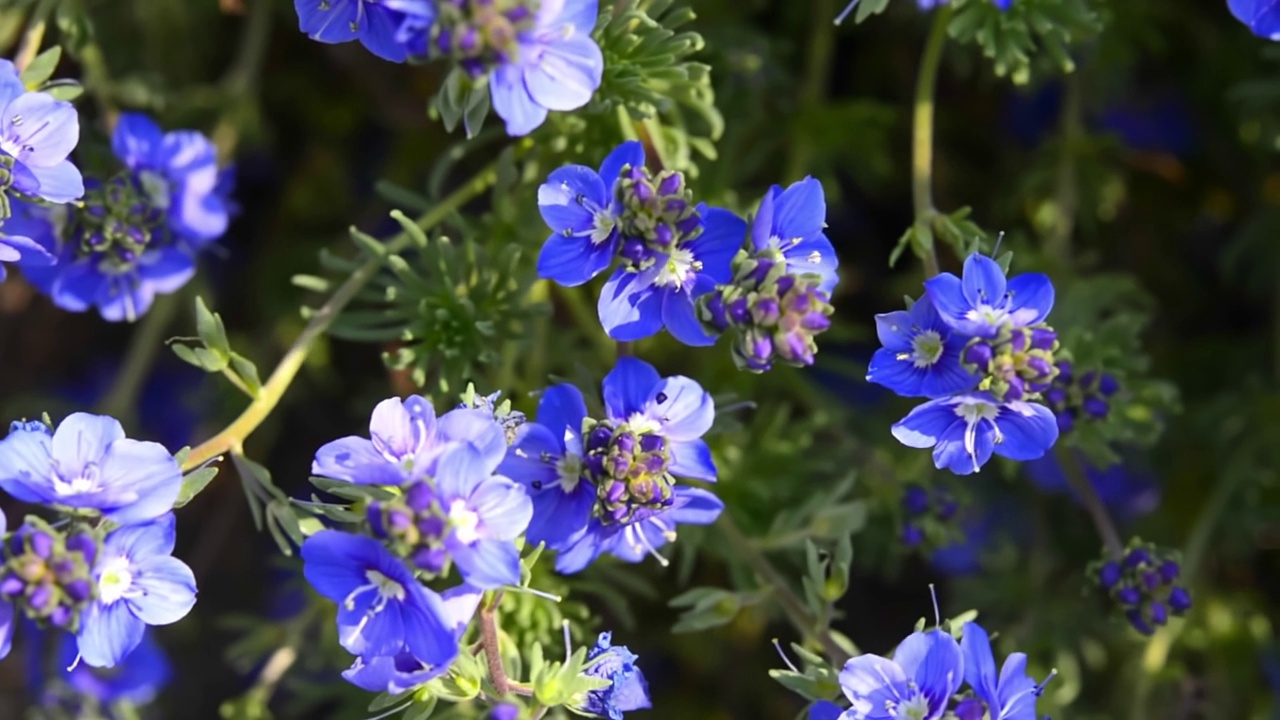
<point>386,700</point>
<point>41,68</point>
<point>247,371</point>
<point>211,330</point>
<point>194,482</point>
<point>421,709</point>
<point>65,90</point>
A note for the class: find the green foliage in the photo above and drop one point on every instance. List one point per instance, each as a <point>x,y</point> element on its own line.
<point>1010,38</point>
<point>214,355</point>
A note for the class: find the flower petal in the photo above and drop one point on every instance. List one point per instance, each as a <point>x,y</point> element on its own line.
<point>629,387</point>
<point>108,633</point>
<point>762,223</point>
<point>60,182</point>
<point>513,103</point>
<point>814,255</point>
<point>6,629</point>
<point>899,375</point>
<point>1031,298</point>
<point>503,506</point>
<point>692,459</point>
<point>139,542</point>
<point>140,480</point>
<point>896,330</point>
<point>1028,430</point>
<point>801,211</point>
<point>487,564</point>
<point>565,199</point>
<point>694,506</point>
<point>562,408</point>
<point>355,460</point>
<point>428,631</point>
<point>169,590</point>
<point>873,684</point>
<point>573,260</point>
<point>681,320</point>
<point>566,73</point>
<point>983,282</point>
<point>961,453</point>
<point>558,516</point>
<point>26,465</point>
<point>394,431</point>
<point>459,472</point>
<point>979,663</point>
<point>683,409</point>
<point>136,140</point>
<point>933,661</point>
<point>722,237</point>
<point>378,30</point>
<point>926,424</point>
<point>81,439</point>
<point>328,21</point>
<point>629,306</point>
<point>42,129</point>
<point>335,562</point>
<point>629,153</point>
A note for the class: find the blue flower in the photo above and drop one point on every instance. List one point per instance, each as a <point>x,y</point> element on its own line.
<point>140,583</point>
<point>402,671</point>
<point>663,275</point>
<point>1012,695</point>
<point>139,231</point>
<point>581,207</point>
<point>505,711</point>
<point>539,58</point>
<point>965,429</point>
<point>6,608</point>
<point>484,514</point>
<point>1262,16</point>
<point>926,670</point>
<point>136,680</point>
<point>624,499</point>
<point>547,457</point>
<point>373,22</point>
<point>37,134</point>
<point>382,608</point>
<point>983,302</point>
<point>1125,489</point>
<point>790,223</point>
<point>627,690</point>
<point>88,463</point>
<point>921,355</point>
<point>405,439</point>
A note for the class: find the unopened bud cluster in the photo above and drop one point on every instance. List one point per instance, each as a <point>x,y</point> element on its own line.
<point>47,574</point>
<point>1017,364</point>
<point>1143,585</point>
<point>1080,397</point>
<point>657,215</point>
<point>920,505</point>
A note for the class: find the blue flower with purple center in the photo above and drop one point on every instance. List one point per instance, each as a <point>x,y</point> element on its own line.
<point>983,302</point>
<point>610,485</point>
<point>139,231</point>
<point>920,356</point>
<point>965,429</point>
<point>581,206</point>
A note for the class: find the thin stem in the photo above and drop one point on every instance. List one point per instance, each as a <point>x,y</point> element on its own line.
<point>273,390</point>
<point>1092,503</point>
<point>240,84</point>
<point>97,79</point>
<point>1067,193</point>
<point>143,349</point>
<point>492,653</point>
<point>922,135</point>
<point>792,605</point>
<point>813,88</point>
<point>34,36</point>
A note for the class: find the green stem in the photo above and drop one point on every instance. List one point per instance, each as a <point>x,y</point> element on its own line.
<point>97,79</point>
<point>492,651</point>
<point>273,390</point>
<point>34,36</point>
<point>1058,242</point>
<point>240,84</point>
<point>584,316</point>
<point>794,608</point>
<point>813,88</point>
<point>143,349</point>
<point>1092,503</point>
<point>922,135</point>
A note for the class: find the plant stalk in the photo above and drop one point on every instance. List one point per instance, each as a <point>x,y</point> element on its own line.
<point>922,133</point>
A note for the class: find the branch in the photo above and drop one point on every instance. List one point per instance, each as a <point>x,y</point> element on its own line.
<point>922,133</point>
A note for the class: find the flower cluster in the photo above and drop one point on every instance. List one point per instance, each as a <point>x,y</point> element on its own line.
<point>37,134</point>
<point>926,672</point>
<point>536,56</point>
<point>138,232</point>
<point>1084,397</point>
<point>1144,585</point>
<point>108,573</point>
<point>922,507</point>
<point>609,485</point>
<point>693,270</point>
<point>978,348</point>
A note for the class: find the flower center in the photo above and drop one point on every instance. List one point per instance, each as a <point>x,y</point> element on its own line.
<point>386,587</point>
<point>86,481</point>
<point>569,472</point>
<point>926,348</point>
<point>465,522</point>
<point>916,708</point>
<point>122,218</point>
<point>679,270</point>
<point>115,581</point>
<point>156,188</point>
<point>480,34</point>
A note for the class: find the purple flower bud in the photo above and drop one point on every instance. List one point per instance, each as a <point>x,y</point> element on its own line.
<point>1179,600</point>
<point>663,236</point>
<point>675,206</point>
<point>653,443</point>
<point>42,597</point>
<point>915,500</point>
<point>947,508</point>
<point>431,559</point>
<point>41,544</point>
<point>1169,571</point>
<point>419,497</point>
<point>761,349</point>
<point>1135,619</point>
<point>1019,341</point>
<point>1108,385</point>
<point>1088,379</point>
<point>1041,367</point>
<point>1055,396</point>
<point>689,225</point>
<point>766,311</point>
<point>1096,407</point>
<point>1128,596</point>
<point>1016,389</point>
<point>1159,613</point>
<point>634,251</point>
<point>599,437</point>
<point>518,13</point>
<point>642,191</point>
<point>1066,421</point>
<point>431,526</point>
<point>739,312</point>
<point>1065,371</point>
<point>1136,557</point>
<point>1109,575</point>
<point>625,443</point>
<point>979,354</point>
<point>815,322</point>
<point>1043,339</point>
<point>970,709</point>
<point>61,616</point>
<point>785,284</point>
<point>12,585</point>
<point>715,306</point>
<point>1150,580</point>
<point>373,514</point>
<point>616,492</point>
<point>671,184</point>
<point>505,712</point>
<point>912,535</point>
<point>78,590</point>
